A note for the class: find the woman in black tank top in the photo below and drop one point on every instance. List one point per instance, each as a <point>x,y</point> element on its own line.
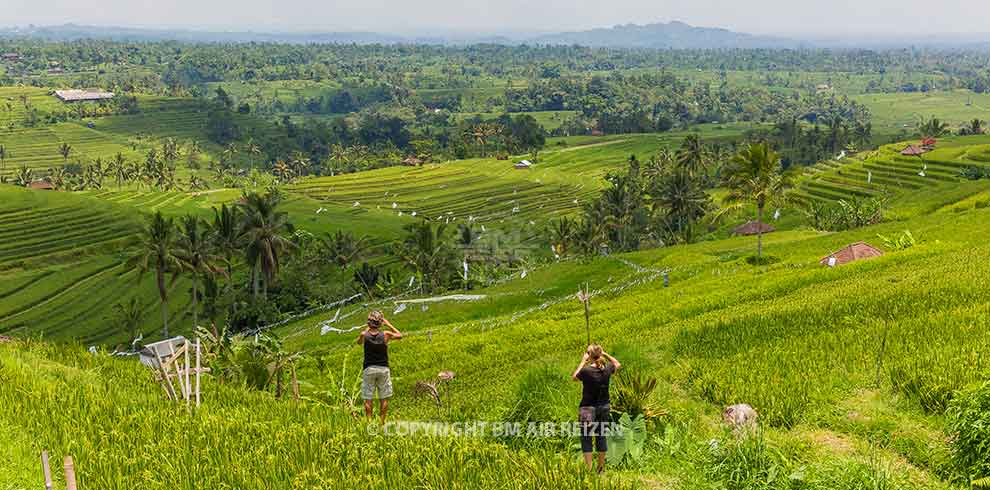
<point>594,373</point>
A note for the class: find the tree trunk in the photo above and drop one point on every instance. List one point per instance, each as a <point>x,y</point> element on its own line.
<point>254,280</point>
<point>759,232</point>
<point>194,303</point>
<point>163,293</point>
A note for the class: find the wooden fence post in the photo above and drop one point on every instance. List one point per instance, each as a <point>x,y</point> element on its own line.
<point>47,470</point>
<point>70,474</point>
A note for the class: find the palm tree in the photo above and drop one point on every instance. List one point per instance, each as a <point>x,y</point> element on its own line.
<point>693,157</point>
<point>228,153</point>
<point>755,176</point>
<point>344,248</point>
<point>252,149</point>
<point>683,199</point>
<point>975,127</point>
<point>3,158</point>
<point>339,155</point>
<point>562,233</point>
<point>427,251</point>
<point>128,316</point>
<point>227,236</point>
<point>159,251</point>
<point>299,163</point>
<point>933,128</point>
<point>282,170</point>
<point>196,255</point>
<point>65,150</point>
<point>262,229</point>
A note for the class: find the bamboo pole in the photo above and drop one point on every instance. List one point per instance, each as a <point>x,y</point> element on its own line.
<point>70,474</point>
<point>188,386</point>
<point>198,364</point>
<point>46,469</point>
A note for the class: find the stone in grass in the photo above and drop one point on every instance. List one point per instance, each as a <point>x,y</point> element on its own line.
<point>740,418</point>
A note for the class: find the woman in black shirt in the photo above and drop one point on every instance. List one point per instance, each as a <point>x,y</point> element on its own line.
<point>594,372</point>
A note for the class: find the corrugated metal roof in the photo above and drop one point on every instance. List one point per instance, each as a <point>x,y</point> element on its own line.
<point>81,95</point>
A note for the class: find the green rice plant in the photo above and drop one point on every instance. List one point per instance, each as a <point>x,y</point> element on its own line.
<point>969,426</point>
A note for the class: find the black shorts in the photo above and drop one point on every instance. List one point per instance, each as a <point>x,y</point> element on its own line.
<point>593,422</point>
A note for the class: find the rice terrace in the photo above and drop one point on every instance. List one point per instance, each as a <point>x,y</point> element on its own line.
<point>480,245</point>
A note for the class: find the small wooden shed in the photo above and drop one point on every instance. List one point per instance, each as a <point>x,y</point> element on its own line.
<point>851,253</point>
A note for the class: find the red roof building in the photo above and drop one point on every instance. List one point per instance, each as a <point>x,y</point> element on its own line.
<point>41,185</point>
<point>852,253</point>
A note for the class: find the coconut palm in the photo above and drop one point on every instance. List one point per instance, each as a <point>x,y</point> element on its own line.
<point>158,251</point>
<point>196,256</point>
<point>693,157</point>
<point>282,171</point>
<point>933,128</point>
<point>427,251</point>
<point>299,163</point>
<point>754,176</point>
<point>65,150</point>
<point>344,248</point>
<point>227,236</point>
<point>562,233</point>
<point>127,317</point>
<point>262,229</point>
<point>3,158</point>
<point>682,199</point>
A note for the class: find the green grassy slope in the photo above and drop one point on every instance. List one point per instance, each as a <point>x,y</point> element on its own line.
<point>796,340</point>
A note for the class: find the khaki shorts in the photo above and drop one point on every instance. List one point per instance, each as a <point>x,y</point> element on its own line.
<point>376,378</point>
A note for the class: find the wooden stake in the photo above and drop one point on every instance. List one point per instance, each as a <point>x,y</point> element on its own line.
<point>47,470</point>
<point>188,386</point>
<point>197,370</point>
<point>70,474</point>
<point>295,384</point>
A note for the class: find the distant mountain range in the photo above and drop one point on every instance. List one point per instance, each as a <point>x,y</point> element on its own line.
<point>672,35</point>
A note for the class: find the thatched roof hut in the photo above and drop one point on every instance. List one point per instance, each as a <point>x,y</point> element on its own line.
<point>851,253</point>
<point>41,185</point>
<point>412,162</point>
<point>914,151</point>
<point>753,228</point>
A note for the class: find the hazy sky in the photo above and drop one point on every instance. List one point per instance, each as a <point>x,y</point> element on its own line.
<point>807,17</point>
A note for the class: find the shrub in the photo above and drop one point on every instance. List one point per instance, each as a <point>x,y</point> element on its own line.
<point>974,173</point>
<point>541,396</point>
<point>982,204</point>
<point>903,242</point>
<point>969,425</point>
<point>764,260</point>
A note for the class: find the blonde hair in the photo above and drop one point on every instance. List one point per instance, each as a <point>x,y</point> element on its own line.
<point>595,352</point>
<point>375,319</point>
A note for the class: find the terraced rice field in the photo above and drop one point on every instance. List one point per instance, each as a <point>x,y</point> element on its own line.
<point>62,266</point>
<point>454,191</point>
<point>887,172</point>
<point>38,148</point>
<point>12,108</point>
<point>491,191</point>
